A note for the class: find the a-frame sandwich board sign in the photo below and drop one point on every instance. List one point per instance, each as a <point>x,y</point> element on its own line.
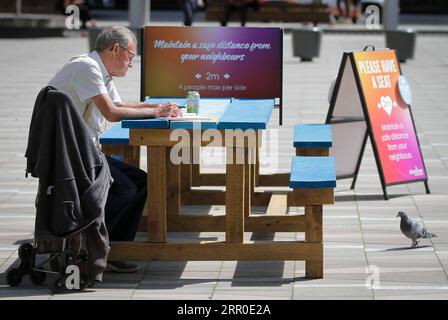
<point>371,99</point>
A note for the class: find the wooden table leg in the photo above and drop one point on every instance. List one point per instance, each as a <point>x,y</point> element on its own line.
<point>185,176</point>
<point>235,193</point>
<point>313,234</point>
<point>195,166</point>
<point>253,172</point>
<point>257,161</point>
<point>157,194</point>
<point>247,183</point>
<point>173,187</point>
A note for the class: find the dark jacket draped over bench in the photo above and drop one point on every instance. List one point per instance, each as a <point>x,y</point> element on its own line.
<point>74,178</point>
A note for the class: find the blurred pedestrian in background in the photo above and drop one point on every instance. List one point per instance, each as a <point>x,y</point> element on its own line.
<point>241,6</point>
<point>357,13</point>
<point>351,13</point>
<point>189,8</point>
<point>343,13</point>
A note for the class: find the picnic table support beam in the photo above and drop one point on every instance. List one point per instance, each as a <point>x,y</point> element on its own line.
<point>185,175</point>
<point>313,152</point>
<point>253,173</point>
<point>215,251</point>
<point>157,188</point>
<point>247,183</point>
<point>259,180</point>
<point>256,166</point>
<point>235,193</point>
<point>313,234</point>
<point>195,166</point>
<point>274,180</point>
<point>173,187</point>
<point>254,223</point>
<point>213,179</point>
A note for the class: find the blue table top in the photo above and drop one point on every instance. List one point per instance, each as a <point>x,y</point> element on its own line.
<point>115,135</point>
<point>225,113</point>
<point>247,114</point>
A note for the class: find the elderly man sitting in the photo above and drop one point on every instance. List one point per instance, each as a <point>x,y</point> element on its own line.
<point>88,80</point>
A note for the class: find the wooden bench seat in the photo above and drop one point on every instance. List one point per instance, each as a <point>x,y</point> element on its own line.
<point>33,7</point>
<point>312,136</point>
<point>312,139</point>
<point>115,142</point>
<point>313,179</point>
<point>115,135</point>
<point>312,173</point>
<point>282,11</point>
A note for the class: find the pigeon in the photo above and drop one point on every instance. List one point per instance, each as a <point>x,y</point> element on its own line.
<point>412,229</point>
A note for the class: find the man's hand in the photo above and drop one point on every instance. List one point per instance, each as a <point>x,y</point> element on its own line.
<point>169,109</point>
<point>134,110</point>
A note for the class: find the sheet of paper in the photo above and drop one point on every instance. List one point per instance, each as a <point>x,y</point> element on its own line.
<point>190,117</point>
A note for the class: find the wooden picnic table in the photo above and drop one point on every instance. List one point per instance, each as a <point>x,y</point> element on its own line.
<point>164,188</point>
<point>312,180</point>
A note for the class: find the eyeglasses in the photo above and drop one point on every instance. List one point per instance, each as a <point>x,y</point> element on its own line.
<point>131,54</point>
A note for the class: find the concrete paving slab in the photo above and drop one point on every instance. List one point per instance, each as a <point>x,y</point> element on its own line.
<point>170,296</point>
<point>334,287</point>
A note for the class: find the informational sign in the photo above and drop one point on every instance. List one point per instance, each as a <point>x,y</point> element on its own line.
<point>371,99</point>
<point>390,117</point>
<point>215,61</point>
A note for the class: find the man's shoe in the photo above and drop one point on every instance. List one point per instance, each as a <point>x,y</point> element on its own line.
<point>121,267</point>
<point>92,283</point>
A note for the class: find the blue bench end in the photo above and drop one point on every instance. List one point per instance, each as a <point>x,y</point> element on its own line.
<point>313,172</point>
<point>313,136</point>
<point>115,135</point>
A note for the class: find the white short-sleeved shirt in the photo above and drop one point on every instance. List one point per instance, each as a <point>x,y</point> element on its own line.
<point>82,78</point>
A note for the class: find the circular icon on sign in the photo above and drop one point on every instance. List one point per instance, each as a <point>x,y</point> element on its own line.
<point>405,90</point>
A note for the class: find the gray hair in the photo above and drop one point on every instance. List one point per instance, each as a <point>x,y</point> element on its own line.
<point>109,36</point>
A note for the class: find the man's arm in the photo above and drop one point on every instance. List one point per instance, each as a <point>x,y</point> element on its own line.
<point>131,104</point>
<point>115,113</point>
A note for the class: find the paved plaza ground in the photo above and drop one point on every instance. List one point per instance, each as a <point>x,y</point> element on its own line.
<point>360,229</point>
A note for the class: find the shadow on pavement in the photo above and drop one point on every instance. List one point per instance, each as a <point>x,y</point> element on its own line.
<point>367,197</point>
<point>404,248</point>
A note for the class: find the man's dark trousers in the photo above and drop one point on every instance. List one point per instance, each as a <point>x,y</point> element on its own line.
<point>126,200</point>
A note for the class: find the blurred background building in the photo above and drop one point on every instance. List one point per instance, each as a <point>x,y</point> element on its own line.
<point>56,6</point>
